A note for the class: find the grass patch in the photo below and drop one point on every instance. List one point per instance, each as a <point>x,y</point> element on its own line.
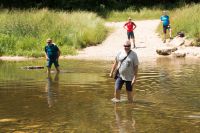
<point>25,32</point>
<point>139,14</point>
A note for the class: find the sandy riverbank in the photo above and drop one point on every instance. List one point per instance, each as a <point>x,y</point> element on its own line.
<point>147,41</point>
<point>15,58</point>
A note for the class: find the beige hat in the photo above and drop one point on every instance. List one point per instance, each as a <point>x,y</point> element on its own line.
<point>129,18</point>
<point>49,40</point>
<point>164,12</point>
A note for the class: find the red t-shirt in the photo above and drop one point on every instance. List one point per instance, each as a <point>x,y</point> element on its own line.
<point>129,26</point>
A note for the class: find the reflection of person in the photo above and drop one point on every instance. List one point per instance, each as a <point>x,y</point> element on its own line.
<point>50,88</point>
<point>125,123</point>
<point>166,25</point>
<point>130,26</point>
<point>52,53</point>
<point>127,63</point>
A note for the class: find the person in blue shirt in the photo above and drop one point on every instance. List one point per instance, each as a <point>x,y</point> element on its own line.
<point>166,25</point>
<point>52,54</point>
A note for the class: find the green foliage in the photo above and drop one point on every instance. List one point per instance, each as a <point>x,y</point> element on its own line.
<point>25,32</point>
<point>7,44</point>
<point>145,13</point>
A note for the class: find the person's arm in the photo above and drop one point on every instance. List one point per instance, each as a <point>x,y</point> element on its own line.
<point>46,53</point>
<point>46,56</point>
<point>113,68</point>
<point>134,26</point>
<point>59,52</point>
<point>161,19</point>
<point>135,74</point>
<point>125,26</point>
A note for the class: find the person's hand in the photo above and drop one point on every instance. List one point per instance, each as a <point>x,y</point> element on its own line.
<point>110,75</point>
<point>133,81</point>
<point>125,28</point>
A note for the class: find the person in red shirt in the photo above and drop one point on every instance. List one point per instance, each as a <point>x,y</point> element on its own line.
<point>130,26</point>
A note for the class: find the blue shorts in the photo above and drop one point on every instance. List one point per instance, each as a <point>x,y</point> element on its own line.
<point>130,35</point>
<point>165,28</point>
<point>119,83</point>
<point>50,62</point>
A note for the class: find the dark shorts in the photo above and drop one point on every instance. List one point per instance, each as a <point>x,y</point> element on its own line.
<point>165,28</point>
<point>50,62</point>
<point>130,35</point>
<point>119,83</point>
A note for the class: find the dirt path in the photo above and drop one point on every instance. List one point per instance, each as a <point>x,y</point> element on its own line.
<point>146,42</point>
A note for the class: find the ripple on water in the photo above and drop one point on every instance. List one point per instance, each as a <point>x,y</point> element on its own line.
<point>148,81</point>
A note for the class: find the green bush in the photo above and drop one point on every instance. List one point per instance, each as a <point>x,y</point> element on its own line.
<point>141,14</point>
<point>25,32</point>
<point>7,44</point>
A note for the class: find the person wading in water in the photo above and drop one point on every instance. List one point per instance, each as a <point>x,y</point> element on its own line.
<point>127,63</point>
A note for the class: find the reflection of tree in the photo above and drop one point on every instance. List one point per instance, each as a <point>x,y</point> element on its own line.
<point>51,89</point>
<point>125,122</point>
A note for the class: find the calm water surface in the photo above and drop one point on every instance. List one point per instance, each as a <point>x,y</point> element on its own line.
<point>78,100</point>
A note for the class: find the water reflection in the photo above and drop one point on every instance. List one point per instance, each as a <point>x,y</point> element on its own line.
<point>125,122</point>
<point>51,88</point>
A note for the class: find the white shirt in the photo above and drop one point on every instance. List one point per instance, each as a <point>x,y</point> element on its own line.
<point>126,69</point>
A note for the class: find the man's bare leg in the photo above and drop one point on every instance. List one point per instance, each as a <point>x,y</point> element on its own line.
<point>57,69</point>
<point>164,38</point>
<point>130,96</point>
<point>48,70</point>
<point>170,33</point>
<point>134,43</point>
<point>117,94</point>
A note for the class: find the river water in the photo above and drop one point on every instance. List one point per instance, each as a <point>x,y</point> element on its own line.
<point>78,99</point>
